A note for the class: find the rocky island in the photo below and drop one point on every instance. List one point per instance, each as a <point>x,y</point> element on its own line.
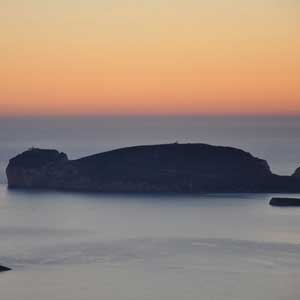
<point>175,168</point>
<point>284,201</point>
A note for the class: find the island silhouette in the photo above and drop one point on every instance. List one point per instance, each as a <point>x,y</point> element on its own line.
<point>165,168</point>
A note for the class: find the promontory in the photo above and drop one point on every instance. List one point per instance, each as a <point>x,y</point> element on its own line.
<point>174,168</point>
<point>4,269</point>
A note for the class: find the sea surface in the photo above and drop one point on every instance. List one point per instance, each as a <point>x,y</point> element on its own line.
<point>76,246</point>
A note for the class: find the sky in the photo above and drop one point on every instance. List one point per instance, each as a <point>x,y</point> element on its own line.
<point>149,57</point>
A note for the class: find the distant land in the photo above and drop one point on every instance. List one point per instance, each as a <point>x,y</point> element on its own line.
<point>285,201</point>
<point>166,168</point>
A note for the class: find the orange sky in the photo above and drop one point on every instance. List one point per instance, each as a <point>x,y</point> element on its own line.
<point>72,57</point>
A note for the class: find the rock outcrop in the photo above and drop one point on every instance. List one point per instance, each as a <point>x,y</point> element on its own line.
<point>191,168</point>
<point>4,269</point>
<point>297,173</point>
<point>278,201</point>
<point>33,168</point>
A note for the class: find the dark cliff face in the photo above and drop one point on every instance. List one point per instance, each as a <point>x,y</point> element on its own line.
<point>297,173</point>
<point>157,168</point>
<point>31,168</point>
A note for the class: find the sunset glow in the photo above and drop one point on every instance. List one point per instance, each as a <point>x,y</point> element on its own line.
<point>66,57</point>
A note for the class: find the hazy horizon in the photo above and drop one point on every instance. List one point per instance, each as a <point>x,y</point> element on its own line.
<point>275,139</point>
<point>139,116</point>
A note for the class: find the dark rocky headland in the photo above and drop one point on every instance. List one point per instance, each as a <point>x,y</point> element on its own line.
<point>178,168</point>
<point>4,269</point>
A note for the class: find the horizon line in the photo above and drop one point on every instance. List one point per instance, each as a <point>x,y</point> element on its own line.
<point>233,115</point>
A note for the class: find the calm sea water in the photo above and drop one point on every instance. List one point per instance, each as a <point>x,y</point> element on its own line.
<point>69,246</point>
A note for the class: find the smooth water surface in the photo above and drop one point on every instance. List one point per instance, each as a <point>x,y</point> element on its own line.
<point>76,246</point>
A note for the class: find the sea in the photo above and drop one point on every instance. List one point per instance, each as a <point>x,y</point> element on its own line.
<point>82,246</point>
